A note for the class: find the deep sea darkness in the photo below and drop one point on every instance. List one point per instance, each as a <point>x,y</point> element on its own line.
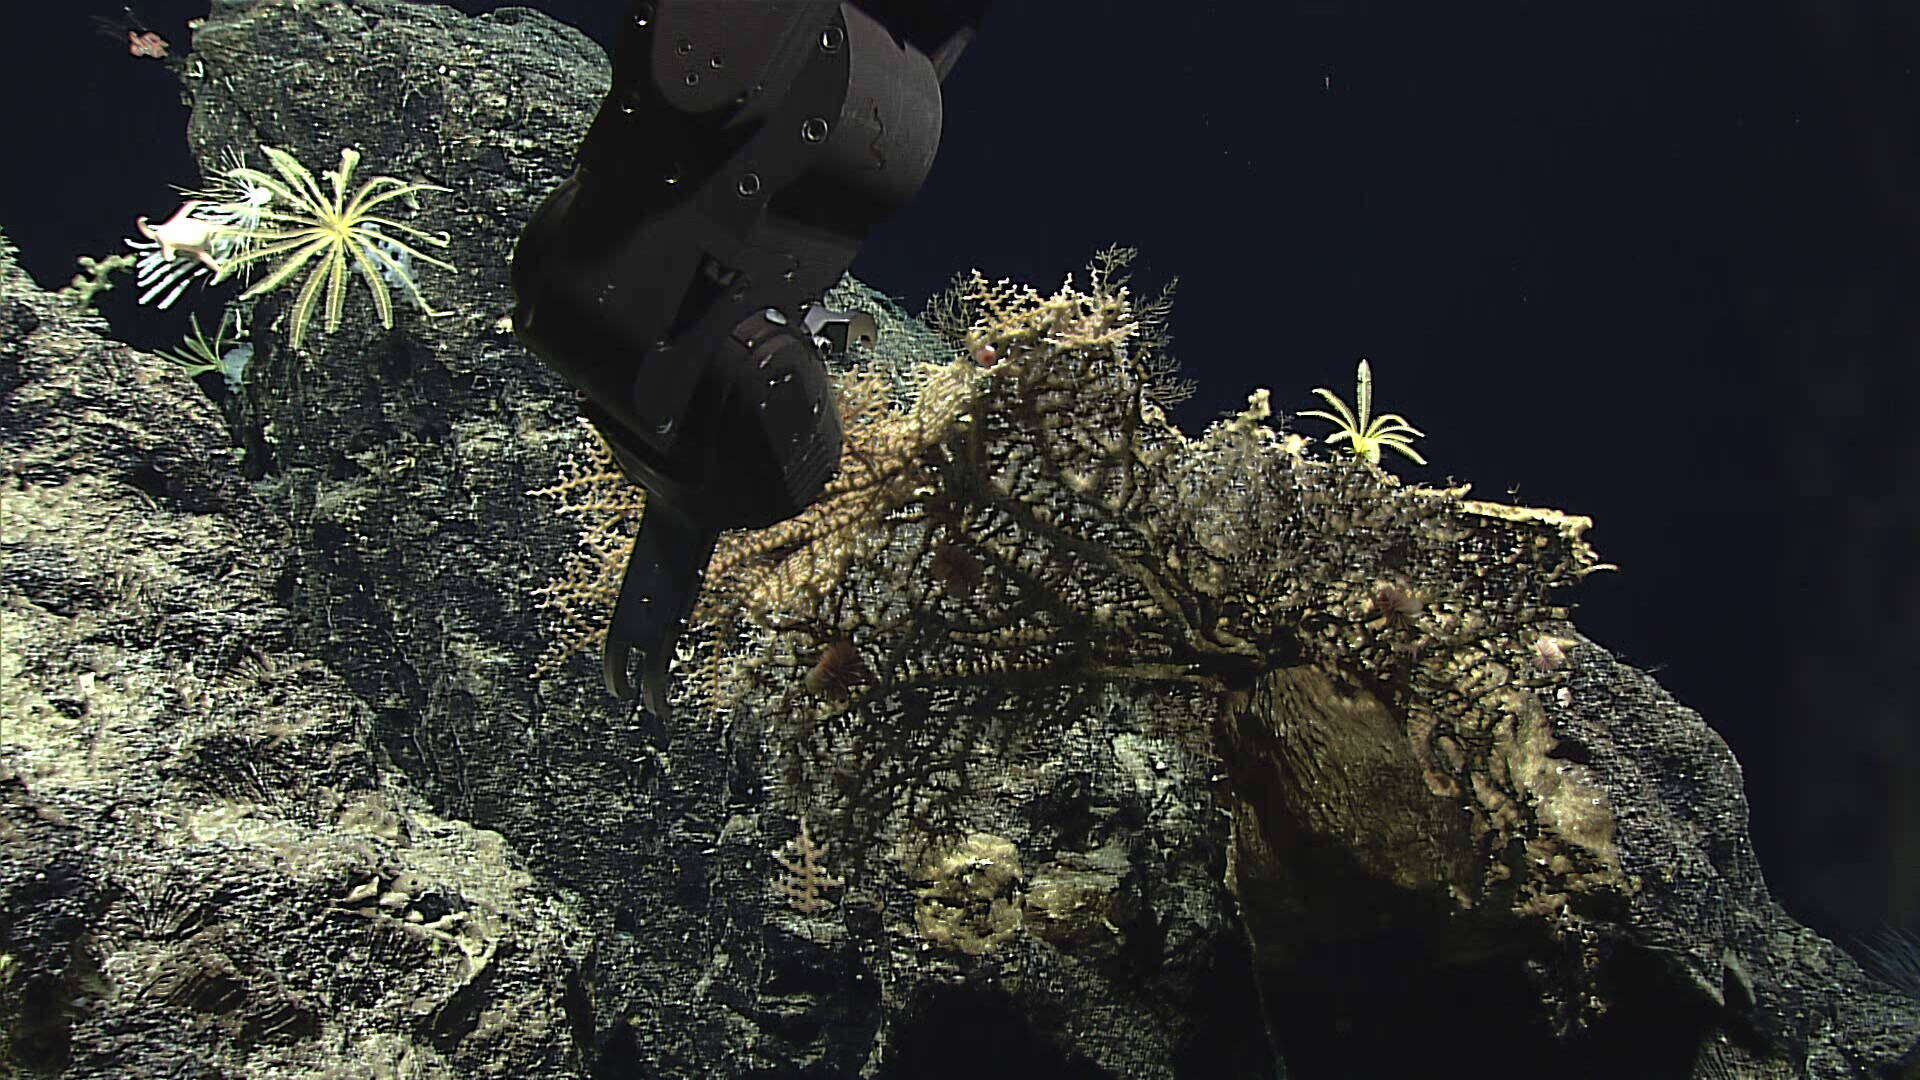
<point>1655,263</point>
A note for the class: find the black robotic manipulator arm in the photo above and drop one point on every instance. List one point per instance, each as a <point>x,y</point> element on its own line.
<point>743,153</point>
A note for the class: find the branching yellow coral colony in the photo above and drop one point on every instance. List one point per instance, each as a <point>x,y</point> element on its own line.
<point>1022,529</point>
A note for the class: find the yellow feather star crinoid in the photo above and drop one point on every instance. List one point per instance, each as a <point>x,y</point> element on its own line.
<point>1364,434</point>
<point>303,222</point>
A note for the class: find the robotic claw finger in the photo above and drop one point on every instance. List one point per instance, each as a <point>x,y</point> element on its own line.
<point>742,154</point>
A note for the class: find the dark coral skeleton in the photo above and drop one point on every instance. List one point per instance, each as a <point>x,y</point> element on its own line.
<point>1018,530</point>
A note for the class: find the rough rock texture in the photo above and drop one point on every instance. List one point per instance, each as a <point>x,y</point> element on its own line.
<point>282,795</point>
<point>211,868</point>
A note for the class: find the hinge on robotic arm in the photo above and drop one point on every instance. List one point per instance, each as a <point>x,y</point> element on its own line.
<point>834,332</point>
